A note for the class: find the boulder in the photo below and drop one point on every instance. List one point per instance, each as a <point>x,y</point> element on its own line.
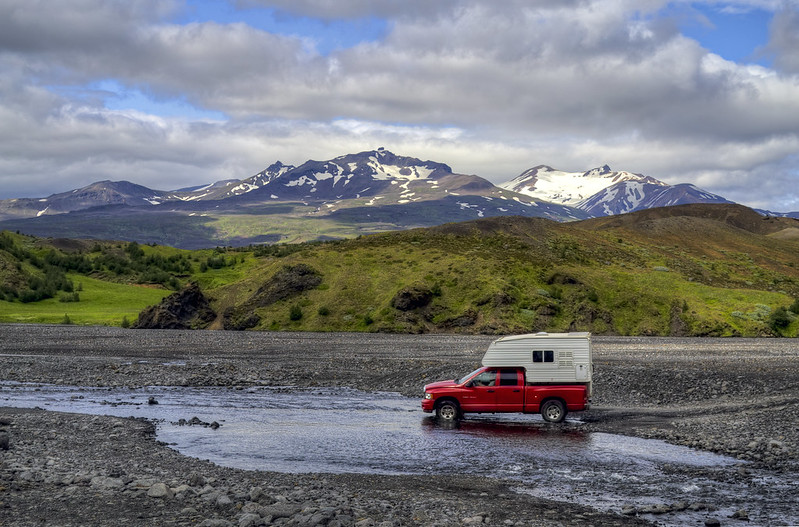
<point>412,297</point>
<point>186,309</point>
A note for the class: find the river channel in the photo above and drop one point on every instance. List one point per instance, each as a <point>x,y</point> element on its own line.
<point>351,431</point>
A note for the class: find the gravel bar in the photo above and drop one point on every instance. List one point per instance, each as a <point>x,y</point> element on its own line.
<point>737,397</point>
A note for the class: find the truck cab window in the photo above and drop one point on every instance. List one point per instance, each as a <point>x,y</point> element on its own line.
<point>543,356</point>
<point>487,378</point>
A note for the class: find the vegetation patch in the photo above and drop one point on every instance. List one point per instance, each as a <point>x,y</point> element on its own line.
<point>494,276</point>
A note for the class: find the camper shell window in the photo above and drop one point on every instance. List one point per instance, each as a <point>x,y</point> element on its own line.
<point>508,378</point>
<point>543,356</point>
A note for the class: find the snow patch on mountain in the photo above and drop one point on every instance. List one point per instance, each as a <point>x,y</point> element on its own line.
<point>568,188</point>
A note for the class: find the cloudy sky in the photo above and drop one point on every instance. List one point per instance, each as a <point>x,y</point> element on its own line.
<point>174,93</point>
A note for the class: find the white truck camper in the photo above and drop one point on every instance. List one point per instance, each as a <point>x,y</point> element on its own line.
<point>548,358</point>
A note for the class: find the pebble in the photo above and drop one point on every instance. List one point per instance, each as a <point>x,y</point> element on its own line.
<point>160,490</point>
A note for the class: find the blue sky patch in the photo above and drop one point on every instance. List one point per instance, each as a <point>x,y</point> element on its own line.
<point>734,35</point>
<point>328,35</point>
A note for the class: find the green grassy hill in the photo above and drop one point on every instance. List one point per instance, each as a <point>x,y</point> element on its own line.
<point>694,270</point>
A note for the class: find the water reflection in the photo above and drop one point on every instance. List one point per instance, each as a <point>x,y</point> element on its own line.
<point>498,429</point>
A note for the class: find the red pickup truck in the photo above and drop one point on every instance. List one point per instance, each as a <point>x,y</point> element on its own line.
<point>495,390</point>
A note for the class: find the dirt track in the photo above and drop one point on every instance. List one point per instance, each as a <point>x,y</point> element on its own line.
<point>739,397</point>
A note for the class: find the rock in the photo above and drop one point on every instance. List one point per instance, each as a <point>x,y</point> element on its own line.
<point>629,510</point>
<point>223,500</point>
<point>141,484</point>
<point>160,490</point>
<point>251,520</point>
<point>152,400</point>
<point>412,297</point>
<point>256,493</point>
<point>186,309</point>
<point>4,441</point>
<point>196,480</point>
<point>282,510</point>
<point>106,483</point>
<point>740,514</point>
<point>712,522</point>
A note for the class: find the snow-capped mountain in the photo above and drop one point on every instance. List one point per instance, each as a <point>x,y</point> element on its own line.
<point>369,191</point>
<point>234,187</point>
<point>569,188</point>
<point>375,187</point>
<point>604,192</point>
<point>629,196</point>
<point>352,176</point>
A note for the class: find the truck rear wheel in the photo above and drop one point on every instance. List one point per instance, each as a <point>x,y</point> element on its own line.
<point>448,411</point>
<point>553,411</point>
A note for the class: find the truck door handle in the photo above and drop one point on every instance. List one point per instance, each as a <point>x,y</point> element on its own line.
<point>516,391</point>
<point>490,391</point>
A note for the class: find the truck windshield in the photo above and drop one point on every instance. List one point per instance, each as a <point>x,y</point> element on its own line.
<point>467,376</point>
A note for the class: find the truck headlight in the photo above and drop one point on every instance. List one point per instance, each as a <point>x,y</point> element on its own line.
<point>428,395</point>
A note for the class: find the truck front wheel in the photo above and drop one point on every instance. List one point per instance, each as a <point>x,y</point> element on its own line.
<point>448,411</point>
<point>553,411</point>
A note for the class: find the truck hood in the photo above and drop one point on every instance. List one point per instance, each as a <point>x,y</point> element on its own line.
<point>440,384</point>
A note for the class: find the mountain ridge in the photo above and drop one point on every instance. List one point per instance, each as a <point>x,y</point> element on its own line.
<point>365,192</point>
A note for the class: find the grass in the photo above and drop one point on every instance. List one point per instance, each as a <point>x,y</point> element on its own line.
<point>101,303</point>
<point>496,276</point>
<point>507,294</point>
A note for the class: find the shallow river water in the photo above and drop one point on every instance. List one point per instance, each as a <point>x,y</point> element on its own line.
<point>349,431</point>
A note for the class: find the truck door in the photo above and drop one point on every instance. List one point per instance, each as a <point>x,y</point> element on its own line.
<point>510,390</point>
<point>480,394</point>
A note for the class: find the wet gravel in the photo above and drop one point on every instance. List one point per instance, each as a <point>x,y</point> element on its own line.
<point>737,397</point>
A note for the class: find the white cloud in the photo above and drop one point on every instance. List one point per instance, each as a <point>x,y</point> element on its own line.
<point>784,42</point>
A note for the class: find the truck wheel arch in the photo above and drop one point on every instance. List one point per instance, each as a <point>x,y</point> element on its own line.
<point>553,410</point>
<point>448,409</point>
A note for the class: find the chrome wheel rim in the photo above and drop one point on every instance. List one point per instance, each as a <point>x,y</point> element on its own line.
<point>553,412</point>
<point>448,412</point>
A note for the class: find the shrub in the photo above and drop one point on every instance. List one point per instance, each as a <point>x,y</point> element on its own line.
<point>794,307</point>
<point>323,311</point>
<point>69,297</point>
<point>295,313</point>
<point>125,322</point>
<point>779,319</point>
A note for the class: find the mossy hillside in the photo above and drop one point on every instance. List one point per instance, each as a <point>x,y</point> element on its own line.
<point>498,283</point>
<point>498,275</point>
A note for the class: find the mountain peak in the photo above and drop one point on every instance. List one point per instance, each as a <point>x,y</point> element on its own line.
<point>604,170</point>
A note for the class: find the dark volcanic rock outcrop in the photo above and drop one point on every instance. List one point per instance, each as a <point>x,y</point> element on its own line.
<point>290,281</point>
<point>186,309</point>
<point>412,297</point>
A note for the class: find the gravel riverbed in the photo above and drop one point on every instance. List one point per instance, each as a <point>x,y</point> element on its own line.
<point>738,397</point>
